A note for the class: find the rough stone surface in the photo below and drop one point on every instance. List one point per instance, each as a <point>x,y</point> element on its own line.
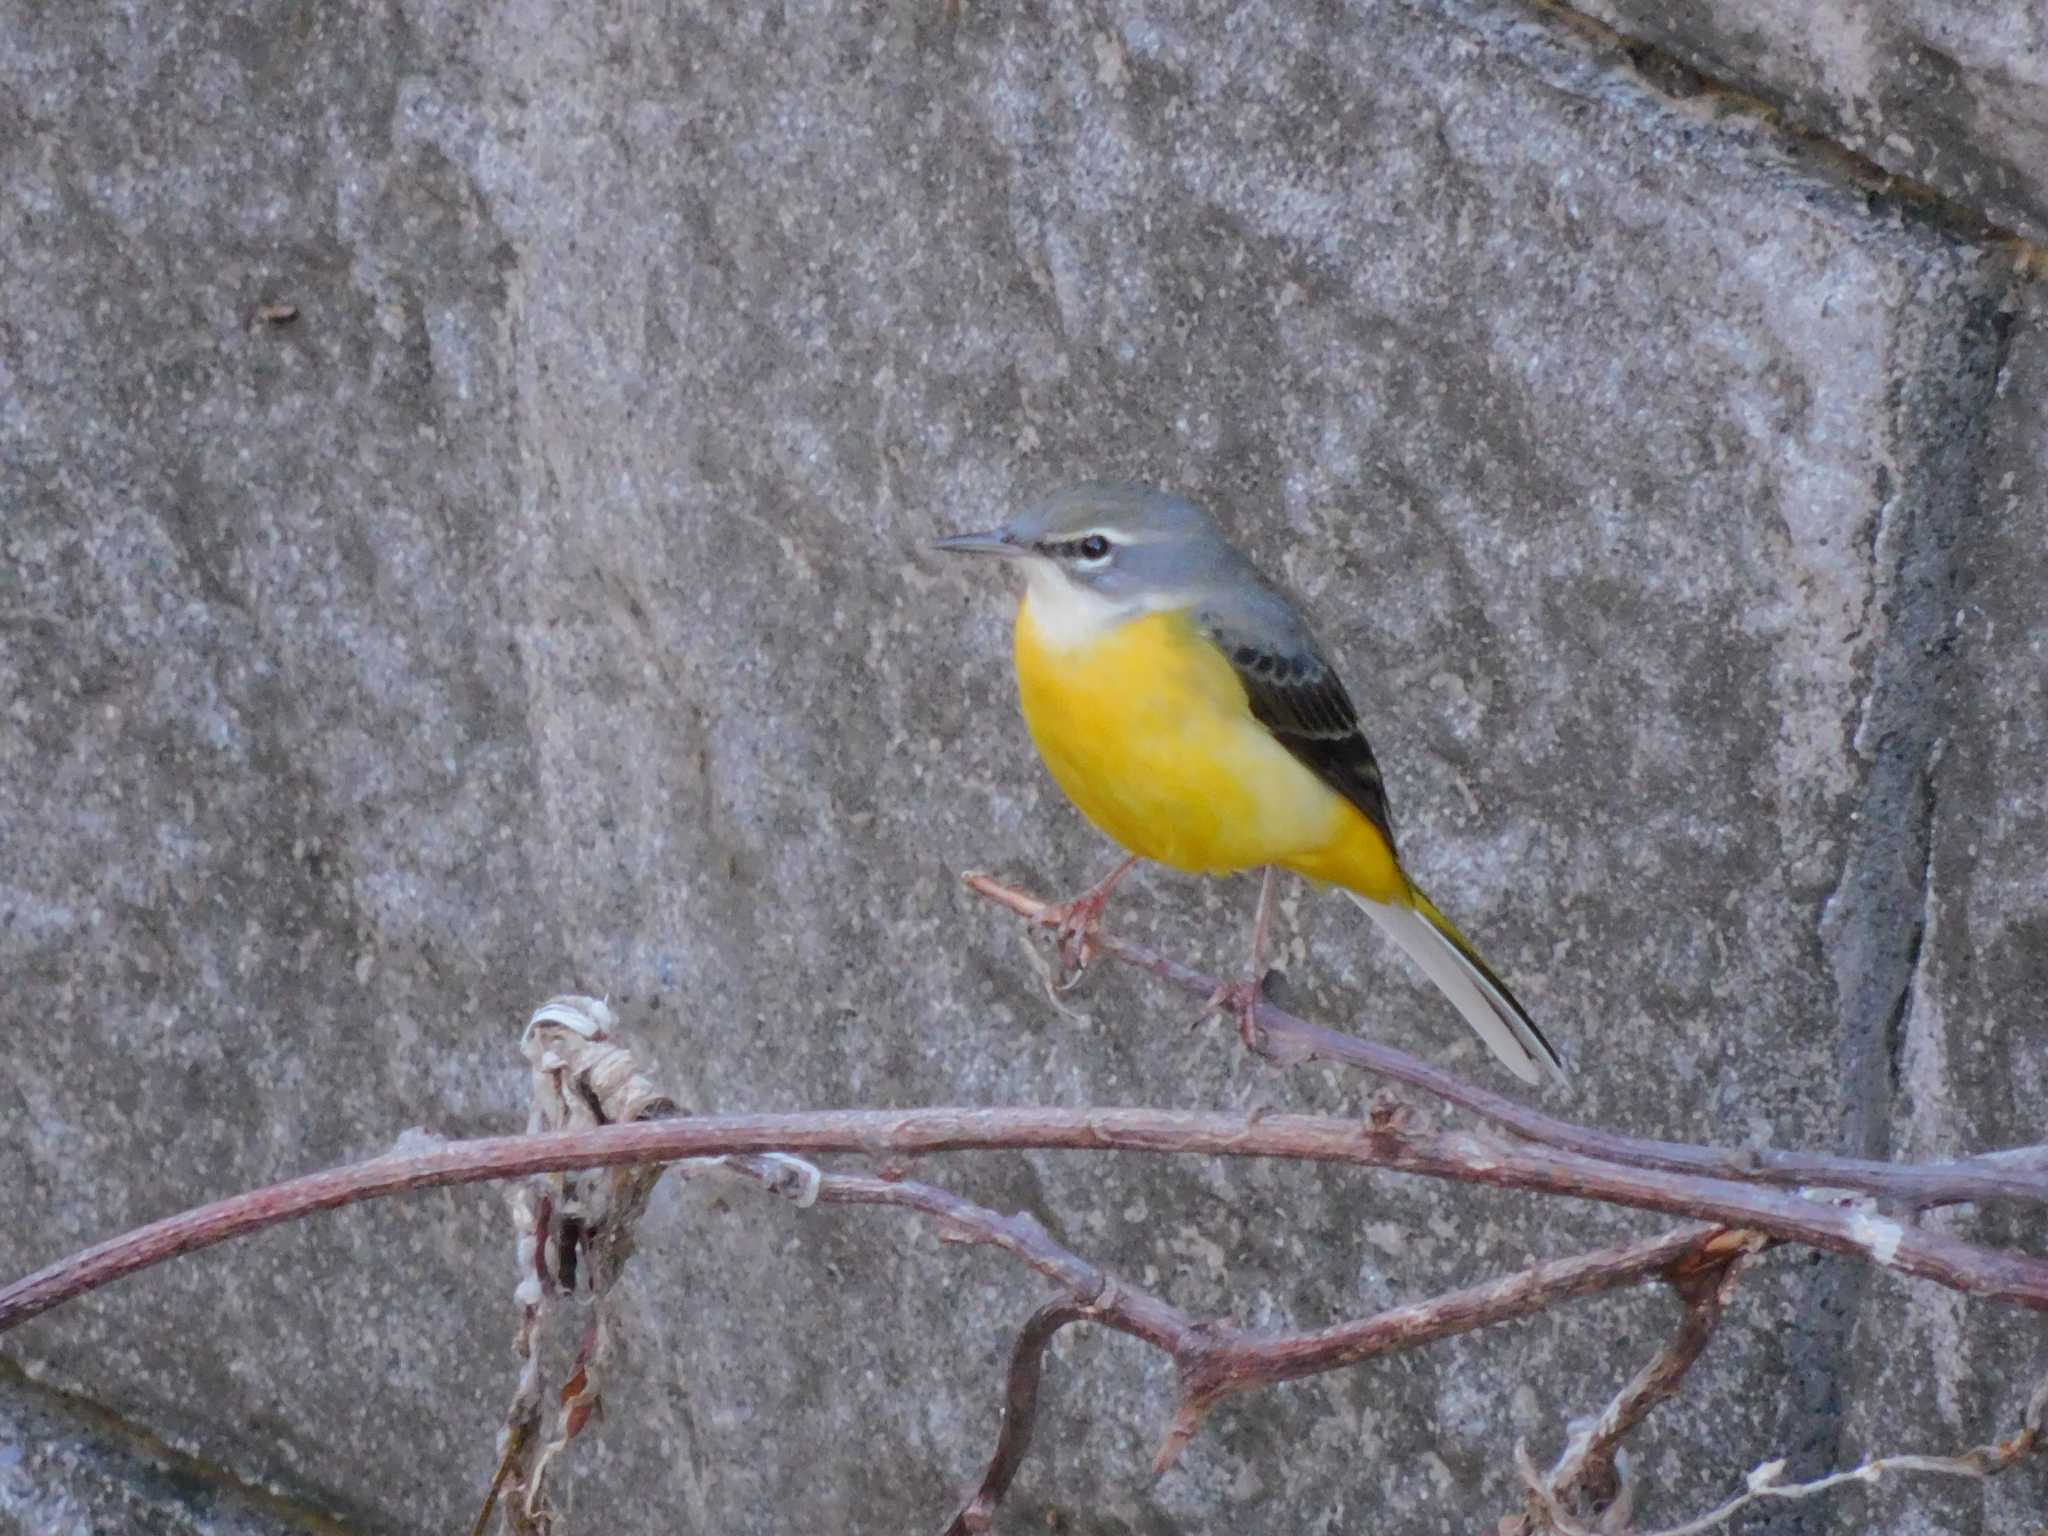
<point>541,609</point>
<point>1970,1067</point>
<point>1950,92</point>
<point>69,1470</point>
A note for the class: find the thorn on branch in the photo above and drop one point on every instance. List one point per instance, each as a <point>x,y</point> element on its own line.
<point>1390,1116</point>
<point>1187,1423</point>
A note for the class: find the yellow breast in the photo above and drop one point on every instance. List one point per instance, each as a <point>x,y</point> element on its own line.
<point>1146,727</point>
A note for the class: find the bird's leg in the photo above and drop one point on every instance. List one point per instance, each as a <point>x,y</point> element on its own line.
<point>1074,923</point>
<point>1241,998</point>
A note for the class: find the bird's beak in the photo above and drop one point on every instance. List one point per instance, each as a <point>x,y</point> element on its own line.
<point>997,541</point>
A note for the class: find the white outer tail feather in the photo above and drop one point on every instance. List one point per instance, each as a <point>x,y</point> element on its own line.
<point>1491,1016</point>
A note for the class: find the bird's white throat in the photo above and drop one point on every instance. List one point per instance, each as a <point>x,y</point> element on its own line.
<point>1067,615</point>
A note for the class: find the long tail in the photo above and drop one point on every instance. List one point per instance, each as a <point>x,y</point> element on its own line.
<point>1482,997</point>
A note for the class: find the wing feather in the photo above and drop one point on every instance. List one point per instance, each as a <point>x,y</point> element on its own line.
<point>1297,695</point>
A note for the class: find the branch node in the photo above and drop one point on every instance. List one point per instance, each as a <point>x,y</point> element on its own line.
<point>783,1170</point>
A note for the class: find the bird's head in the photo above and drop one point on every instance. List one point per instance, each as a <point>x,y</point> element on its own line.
<point>1103,552</point>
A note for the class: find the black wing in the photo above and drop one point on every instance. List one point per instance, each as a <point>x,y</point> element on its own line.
<point>1296,695</point>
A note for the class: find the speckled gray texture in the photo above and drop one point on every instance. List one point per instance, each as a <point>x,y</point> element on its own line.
<point>1953,93</point>
<point>67,1469</point>
<point>542,610</point>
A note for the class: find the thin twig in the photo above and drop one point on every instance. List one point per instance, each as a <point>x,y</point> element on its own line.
<point>1217,1359</point>
<point>1020,1414</point>
<point>1763,1481</point>
<point>1908,1249</point>
<point>1704,1284</point>
<point>2018,1173</point>
<point>1226,1360</point>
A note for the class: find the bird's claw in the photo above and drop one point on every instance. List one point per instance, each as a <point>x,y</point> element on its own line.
<point>1074,924</point>
<point>1240,1000</point>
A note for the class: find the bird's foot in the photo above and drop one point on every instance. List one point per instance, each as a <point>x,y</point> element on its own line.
<point>1074,924</point>
<point>1240,1000</point>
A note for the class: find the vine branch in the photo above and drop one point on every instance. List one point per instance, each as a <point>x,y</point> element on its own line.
<point>2019,1173</point>
<point>577,1233</point>
<point>1591,1463</point>
<point>1907,1248</point>
<point>1766,1481</point>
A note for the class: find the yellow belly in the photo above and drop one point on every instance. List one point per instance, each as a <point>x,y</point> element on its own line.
<point>1148,730</point>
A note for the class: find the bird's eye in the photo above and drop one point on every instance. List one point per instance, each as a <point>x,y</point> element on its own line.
<point>1094,547</point>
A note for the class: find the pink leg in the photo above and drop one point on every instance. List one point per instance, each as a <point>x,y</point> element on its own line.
<point>1075,921</point>
<point>1240,999</point>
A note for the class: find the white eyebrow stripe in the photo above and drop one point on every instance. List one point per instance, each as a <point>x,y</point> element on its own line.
<point>1114,535</point>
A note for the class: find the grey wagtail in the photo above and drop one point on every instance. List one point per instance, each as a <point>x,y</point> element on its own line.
<point>1181,702</point>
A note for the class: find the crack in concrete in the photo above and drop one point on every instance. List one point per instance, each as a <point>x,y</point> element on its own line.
<point>1875,922</point>
<point>1895,1026</point>
<point>1717,101</point>
<point>154,1478</point>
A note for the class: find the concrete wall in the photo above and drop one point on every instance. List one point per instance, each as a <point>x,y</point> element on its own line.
<point>543,609</point>
<point>1949,94</point>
